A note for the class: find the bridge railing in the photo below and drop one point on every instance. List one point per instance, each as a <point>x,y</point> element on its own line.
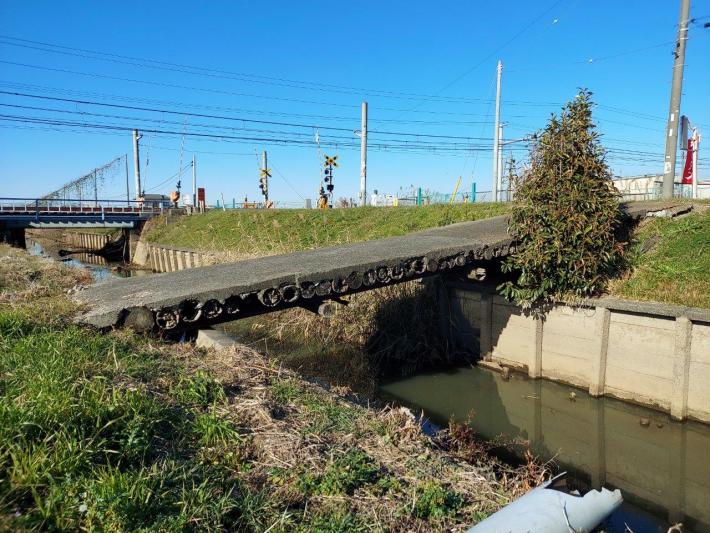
<point>75,207</point>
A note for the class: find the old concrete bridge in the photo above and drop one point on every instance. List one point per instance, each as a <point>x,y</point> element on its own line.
<point>198,297</point>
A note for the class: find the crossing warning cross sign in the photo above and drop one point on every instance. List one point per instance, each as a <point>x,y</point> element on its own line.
<point>331,161</point>
<point>265,172</point>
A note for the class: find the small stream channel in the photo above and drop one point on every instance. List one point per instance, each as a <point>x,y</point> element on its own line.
<point>661,466</point>
<point>100,268</point>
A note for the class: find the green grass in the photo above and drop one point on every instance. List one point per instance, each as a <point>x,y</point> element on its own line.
<point>262,232</point>
<point>90,439</point>
<point>675,267</point>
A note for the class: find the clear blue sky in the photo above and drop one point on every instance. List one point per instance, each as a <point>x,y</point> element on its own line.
<point>337,53</point>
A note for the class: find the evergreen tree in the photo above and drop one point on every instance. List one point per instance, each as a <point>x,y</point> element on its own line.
<point>566,215</point>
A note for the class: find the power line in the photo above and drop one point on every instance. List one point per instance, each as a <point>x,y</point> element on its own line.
<point>383,145</point>
<point>247,95</point>
<point>223,74</point>
<point>494,52</point>
<point>220,117</point>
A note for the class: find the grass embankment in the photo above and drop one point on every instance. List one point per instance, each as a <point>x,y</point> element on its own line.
<point>249,233</point>
<point>670,262</point>
<point>115,432</point>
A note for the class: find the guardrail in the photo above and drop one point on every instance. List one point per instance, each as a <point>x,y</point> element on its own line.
<point>75,207</point>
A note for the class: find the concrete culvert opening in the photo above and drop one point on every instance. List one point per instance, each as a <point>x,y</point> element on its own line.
<point>308,290</point>
<point>190,311</point>
<point>290,293</point>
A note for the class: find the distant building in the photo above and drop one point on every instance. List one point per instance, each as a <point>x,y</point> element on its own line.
<point>649,186</point>
<point>646,187</point>
<point>156,201</point>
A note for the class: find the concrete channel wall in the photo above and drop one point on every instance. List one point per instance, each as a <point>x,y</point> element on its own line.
<point>166,259</point>
<point>662,464</point>
<point>88,241</point>
<point>652,354</point>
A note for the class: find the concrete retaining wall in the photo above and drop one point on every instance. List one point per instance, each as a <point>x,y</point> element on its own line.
<point>88,241</point>
<point>165,259</point>
<point>653,354</point>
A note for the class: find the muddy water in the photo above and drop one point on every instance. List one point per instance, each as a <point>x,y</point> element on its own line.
<point>100,268</point>
<point>662,467</point>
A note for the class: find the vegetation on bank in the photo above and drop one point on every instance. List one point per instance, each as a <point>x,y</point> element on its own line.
<point>566,214</point>
<point>392,331</point>
<point>116,432</point>
<point>249,233</point>
<point>670,261</point>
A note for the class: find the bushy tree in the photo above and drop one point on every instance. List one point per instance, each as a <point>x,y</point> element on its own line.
<point>566,215</point>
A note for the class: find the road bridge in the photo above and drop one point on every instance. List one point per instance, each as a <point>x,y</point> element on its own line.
<point>198,297</point>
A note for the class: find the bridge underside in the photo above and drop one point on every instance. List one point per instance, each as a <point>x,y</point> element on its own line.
<point>198,297</point>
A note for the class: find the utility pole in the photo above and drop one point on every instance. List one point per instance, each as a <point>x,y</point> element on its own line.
<point>363,157</point>
<point>194,181</point>
<point>137,162</point>
<point>696,146</point>
<point>674,112</point>
<point>499,171</point>
<point>128,191</point>
<point>496,135</point>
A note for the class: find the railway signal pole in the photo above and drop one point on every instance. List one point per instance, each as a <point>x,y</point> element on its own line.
<point>265,174</point>
<point>330,163</point>
<point>674,112</point>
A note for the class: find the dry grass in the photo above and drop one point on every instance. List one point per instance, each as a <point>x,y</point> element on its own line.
<point>33,283</point>
<point>297,431</point>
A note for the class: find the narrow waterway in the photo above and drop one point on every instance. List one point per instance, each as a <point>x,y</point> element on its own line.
<point>100,268</point>
<point>662,467</point>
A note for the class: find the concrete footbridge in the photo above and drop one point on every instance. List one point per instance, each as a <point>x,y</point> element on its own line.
<point>198,297</point>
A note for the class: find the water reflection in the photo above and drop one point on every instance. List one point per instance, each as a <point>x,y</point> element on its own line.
<point>98,266</point>
<point>661,466</point>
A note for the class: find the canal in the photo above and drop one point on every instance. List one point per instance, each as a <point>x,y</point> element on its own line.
<point>661,466</point>
<point>100,268</point>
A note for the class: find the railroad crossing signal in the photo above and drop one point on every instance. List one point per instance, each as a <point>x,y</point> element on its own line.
<point>265,174</point>
<point>330,162</point>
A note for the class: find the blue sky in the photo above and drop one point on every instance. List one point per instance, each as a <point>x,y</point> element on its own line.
<point>311,63</point>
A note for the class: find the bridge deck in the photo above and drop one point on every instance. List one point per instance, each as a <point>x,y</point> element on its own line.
<point>230,291</point>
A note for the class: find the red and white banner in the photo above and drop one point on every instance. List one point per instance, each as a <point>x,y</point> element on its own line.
<point>688,169</point>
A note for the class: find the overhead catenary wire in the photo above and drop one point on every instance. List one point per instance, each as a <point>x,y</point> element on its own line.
<point>203,115</point>
<point>384,144</point>
<point>224,74</point>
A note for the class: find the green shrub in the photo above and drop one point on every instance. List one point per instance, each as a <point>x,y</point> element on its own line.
<point>566,216</point>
